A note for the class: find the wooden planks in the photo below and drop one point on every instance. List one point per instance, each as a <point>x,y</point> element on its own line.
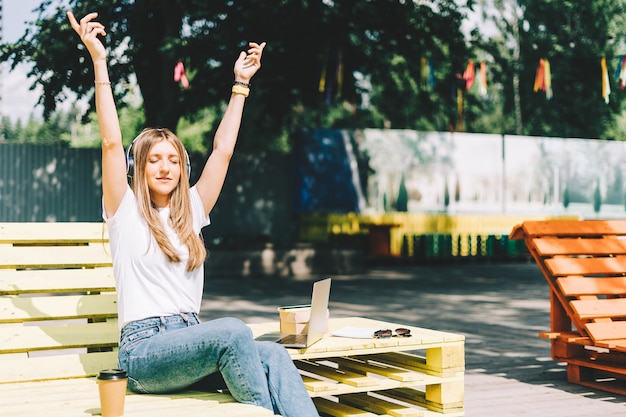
<point>24,309</point>
<point>40,257</point>
<point>58,325</point>
<point>48,281</point>
<point>16,339</point>
<point>61,233</point>
<point>584,263</point>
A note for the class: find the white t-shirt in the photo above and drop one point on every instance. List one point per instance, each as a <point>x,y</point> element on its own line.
<point>148,285</point>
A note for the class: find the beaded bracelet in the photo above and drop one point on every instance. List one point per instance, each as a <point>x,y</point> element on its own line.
<point>102,82</point>
<point>239,89</point>
<point>247,85</point>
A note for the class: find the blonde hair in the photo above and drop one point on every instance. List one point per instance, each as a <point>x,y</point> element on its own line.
<point>181,218</point>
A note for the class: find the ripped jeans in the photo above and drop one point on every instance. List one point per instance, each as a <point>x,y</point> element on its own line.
<point>171,353</point>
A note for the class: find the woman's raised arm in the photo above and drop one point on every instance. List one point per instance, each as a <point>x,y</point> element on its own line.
<point>212,178</point>
<point>114,182</point>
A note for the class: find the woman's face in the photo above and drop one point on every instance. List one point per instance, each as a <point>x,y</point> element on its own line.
<point>162,172</point>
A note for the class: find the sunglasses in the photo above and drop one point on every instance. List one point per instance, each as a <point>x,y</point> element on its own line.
<point>385,333</point>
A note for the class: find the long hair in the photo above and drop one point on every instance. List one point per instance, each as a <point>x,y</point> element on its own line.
<point>181,218</point>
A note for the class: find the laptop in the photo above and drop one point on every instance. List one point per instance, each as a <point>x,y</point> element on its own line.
<point>317,322</point>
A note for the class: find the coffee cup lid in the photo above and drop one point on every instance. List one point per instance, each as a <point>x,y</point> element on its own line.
<point>109,374</point>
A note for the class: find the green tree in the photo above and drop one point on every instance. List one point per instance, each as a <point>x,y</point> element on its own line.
<point>328,64</point>
<point>573,36</point>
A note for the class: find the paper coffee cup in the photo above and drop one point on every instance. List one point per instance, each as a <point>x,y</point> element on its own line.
<point>112,387</point>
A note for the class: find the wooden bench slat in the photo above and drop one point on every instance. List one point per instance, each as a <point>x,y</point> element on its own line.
<point>22,257</point>
<point>31,338</point>
<point>592,309</point>
<point>14,282</point>
<point>548,246</point>
<point>354,364</point>
<point>378,405</point>
<point>345,377</point>
<point>577,286</point>
<point>22,309</point>
<point>80,399</point>
<point>586,266</point>
<point>607,331</point>
<point>65,233</point>
<point>574,227</point>
<point>55,367</point>
<point>335,409</point>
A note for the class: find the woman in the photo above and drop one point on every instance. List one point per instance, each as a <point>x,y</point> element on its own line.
<point>158,255</point>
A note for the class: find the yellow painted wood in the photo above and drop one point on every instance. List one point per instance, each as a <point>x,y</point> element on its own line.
<point>61,232</point>
<point>32,338</point>
<point>21,309</point>
<point>14,282</point>
<point>418,397</point>
<point>345,377</point>
<point>365,367</point>
<point>79,398</point>
<point>335,409</point>
<point>318,385</point>
<point>21,257</point>
<point>380,406</point>
<point>54,367</point>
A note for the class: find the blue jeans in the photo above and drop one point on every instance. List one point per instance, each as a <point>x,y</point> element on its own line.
<point>167,354</point>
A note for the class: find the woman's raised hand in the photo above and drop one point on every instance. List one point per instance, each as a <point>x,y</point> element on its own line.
<point>249,62</point>
<point>88,30</point>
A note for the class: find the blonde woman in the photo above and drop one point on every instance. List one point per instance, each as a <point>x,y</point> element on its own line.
<point>158,255</point>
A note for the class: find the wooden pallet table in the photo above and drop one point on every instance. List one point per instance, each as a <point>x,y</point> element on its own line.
<point>584,263</point>
<point>422,375</point>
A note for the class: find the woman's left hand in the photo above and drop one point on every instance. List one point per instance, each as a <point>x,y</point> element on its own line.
<point>249,63</point>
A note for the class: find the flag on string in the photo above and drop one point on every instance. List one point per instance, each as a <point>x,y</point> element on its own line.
<point>469,75</point>
<point>339,74</point>
<point>606,85</point>
<point>620,72</point>
<point>179,75</point>
<point>482,85</point>
<point>322,84</point>
<point>459,104</point>
<point>423,71</point>
<point>427,73</point>
<point>543,78</point>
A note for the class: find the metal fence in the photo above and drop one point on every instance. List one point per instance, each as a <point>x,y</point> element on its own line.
<point>49,183</point>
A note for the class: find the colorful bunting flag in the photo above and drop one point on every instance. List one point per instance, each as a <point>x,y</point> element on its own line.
<point>543,78</point>
<point>482,85</point>
<point>620,72</point>
<point>179,75</point>
<point>606,85</point>
<point>469,75</point>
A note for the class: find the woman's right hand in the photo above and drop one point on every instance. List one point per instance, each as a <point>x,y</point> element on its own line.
<point>88,30</point>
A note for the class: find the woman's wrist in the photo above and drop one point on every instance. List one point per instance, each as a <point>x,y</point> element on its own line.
<point>241,87</point>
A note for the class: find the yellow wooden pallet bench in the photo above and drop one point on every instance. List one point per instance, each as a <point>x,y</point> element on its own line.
<point>58,329</point>
<point>584,263</point>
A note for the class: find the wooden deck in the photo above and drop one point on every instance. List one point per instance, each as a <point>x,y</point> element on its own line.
<point>500,308</point>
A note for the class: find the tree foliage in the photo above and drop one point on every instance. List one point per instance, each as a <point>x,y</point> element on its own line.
<point>328,63</point>
<point>573,36</point>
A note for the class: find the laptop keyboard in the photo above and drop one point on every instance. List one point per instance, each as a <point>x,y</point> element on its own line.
<point>294,339</point>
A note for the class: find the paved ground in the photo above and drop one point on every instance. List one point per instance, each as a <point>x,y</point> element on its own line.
<point>500,308</point>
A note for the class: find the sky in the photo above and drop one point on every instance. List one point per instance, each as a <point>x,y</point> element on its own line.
<point>18,102</point>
